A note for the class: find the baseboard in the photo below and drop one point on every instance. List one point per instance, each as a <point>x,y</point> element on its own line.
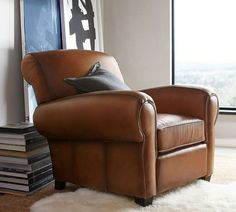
<point>225,142</point>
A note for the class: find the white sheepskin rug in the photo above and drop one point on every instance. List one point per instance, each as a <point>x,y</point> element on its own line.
<point>200,196</point>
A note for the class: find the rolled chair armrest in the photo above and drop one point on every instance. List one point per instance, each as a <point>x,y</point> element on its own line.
<point>192,101</point>
<point>185,100</point>
<point>104,115</point>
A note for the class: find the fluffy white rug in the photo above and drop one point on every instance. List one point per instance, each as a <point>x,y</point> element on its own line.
<point>200,196</point>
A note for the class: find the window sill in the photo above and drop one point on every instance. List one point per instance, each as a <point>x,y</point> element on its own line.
<point>225,111</point>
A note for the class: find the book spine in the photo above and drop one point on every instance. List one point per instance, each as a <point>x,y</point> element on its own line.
<point>24,161</point>
<point>14,186</point>
<point>12,141</point>
<point>23,174</point>
<point>13,160</point>
<point>25,181</point>
<point>35,145</point>
<point>36,172</point>
<point>31,135</point>
<point>40,163</point>
<point>26,188</point>
<point>38,157</point>
<point>14,180</point>
<point>25,136</point>
<point>13,174</point>
<point>16,131</point>
<point>39,177</point>
<point>40,183</point>
<point>30,167</point>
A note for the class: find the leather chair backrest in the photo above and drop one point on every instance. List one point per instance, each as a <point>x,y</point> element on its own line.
<point>45,71</point>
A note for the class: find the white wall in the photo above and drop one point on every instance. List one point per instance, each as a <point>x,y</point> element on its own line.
<point>11,91</point>
<point>226,130</point>
<point>138,33</point>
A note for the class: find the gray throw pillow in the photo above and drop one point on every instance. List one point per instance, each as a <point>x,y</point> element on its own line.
<point>97,80</point>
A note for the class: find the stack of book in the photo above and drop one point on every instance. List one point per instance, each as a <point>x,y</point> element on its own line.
<point>25,163</point>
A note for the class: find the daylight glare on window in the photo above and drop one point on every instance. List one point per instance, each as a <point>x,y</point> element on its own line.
<point>205,46</point>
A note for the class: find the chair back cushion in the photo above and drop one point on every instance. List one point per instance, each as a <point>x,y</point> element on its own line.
<point>45,71</point>
<point>97,80</point>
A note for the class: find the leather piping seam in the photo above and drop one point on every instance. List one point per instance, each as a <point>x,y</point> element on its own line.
<point>155,109</point>
<point>202,90</point>
<point>92,140</point>
<point>182,146</point>
<point>206,118</point>
<point>217,112</point>
<point>105,168</point>
<point>143,148</point>
<point>73,97</point>
<point>156,146</point>
<point>183,151</point>
<point>142,98</point>
<point>198,121</point>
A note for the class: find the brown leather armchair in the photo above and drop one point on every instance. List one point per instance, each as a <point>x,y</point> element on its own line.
<point>132,143</point>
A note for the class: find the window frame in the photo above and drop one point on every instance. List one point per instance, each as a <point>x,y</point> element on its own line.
<point>222,110</point>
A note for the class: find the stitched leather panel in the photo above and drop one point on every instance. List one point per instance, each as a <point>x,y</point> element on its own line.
<point>45,71</point>
<point>107,140</point>
<point>178,168</point>
<point>176,131</point>
<point>198,102</point>
<point>104,115</point>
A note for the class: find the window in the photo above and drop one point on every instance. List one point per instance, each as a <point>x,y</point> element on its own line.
<point>204,46</point>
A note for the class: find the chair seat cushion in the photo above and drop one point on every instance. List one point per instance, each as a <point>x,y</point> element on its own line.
<point>177,131</point>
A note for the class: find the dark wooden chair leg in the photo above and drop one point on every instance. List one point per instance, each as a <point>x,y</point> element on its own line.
<point>143,202</point>
<point>59,185</point>
<point>207,178</point>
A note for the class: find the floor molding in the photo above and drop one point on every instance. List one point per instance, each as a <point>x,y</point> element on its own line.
<point>225,142</point>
